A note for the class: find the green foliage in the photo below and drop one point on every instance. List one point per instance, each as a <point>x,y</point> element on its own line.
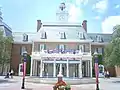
<point>112,50</point>
<point>5,49</point>
<point>28,64</point>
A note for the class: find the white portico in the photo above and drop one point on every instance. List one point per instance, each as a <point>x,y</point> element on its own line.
<point>59,62</point>
<point>61,47</point>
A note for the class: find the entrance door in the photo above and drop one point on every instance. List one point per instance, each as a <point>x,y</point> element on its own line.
<point>84,69</point>
<point>63,69</point>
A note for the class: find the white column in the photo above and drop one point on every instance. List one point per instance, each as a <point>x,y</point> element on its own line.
<point>31,68</point>
<point>35,68</point>
<point>60,68</point>
<point>54,68</point>
<point>33,47</point>
<point>88,68</point>
<point>80,69</point>
<point>67,68</point>
<point>90,48</point>
<point>41,68</point>
<point>91,68</point>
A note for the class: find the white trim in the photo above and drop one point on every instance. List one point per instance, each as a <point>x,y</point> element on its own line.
<point>22,42</point>
<point>61,40</point>
<point>97,43</point>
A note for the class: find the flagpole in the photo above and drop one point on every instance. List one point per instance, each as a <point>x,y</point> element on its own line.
<point>96,70</point>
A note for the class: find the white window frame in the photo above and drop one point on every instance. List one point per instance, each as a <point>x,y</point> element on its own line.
<point>62,47</point>
<point>81,35</point>
<point>42,47</point>
<point>43,35</point>
<point>23,49</point>
<point>81,47</point>
<point>25,37</point>
<point>62,36</point>
<point>99,38</point>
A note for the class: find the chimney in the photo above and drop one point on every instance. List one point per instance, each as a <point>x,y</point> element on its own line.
<point>84,25</point>
<point>38,25</point>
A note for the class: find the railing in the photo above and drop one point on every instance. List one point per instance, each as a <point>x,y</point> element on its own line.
<point>60,52</point>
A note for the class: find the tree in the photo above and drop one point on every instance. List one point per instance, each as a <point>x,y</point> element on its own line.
<point>112,50</point>
<point>5,50</point>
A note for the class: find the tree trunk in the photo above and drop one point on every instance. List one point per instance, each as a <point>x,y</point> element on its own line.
<point>2,69</point>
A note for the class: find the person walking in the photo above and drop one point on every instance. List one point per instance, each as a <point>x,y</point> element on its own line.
<point>11,73</point>
<point>108,74</point>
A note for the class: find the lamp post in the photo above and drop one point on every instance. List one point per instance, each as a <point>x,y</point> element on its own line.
<point>24,69</point>
<point>96,70</point>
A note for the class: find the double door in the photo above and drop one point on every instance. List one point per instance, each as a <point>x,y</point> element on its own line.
<point>63,69</point>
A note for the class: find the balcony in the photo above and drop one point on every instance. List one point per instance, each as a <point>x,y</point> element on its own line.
<point>61,53</point>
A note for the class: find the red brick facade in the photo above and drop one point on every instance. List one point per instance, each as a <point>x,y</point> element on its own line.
<point>16,55</point>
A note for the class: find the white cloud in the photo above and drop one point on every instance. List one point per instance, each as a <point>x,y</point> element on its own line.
<point>109,23</point>
<point>101,6</point>
<point>117,6</point>
<point>74,13</point>
<point>97,17</point>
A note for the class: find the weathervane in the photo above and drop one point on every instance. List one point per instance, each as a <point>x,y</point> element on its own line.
<point>62,6</point>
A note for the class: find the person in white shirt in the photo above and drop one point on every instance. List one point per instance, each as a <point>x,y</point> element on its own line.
<point>11,73</point>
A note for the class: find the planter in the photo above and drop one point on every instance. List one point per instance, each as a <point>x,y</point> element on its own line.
<point>67,88</point>
<point>61,89</point>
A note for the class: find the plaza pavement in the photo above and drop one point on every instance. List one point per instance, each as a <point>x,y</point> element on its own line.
<point>15,84</point>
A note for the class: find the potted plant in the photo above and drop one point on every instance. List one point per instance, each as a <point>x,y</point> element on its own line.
<point>68,87</point>
<point>61,88</point>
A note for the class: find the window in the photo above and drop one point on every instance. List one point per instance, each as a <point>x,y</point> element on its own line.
<point>43,35</point>
<point>81,47</point>
<point>62,35</point>
<point>99,38</point>
<point>23,49</point>
<point>62,47</point>
<point>25,37</point>
<point>41,47</point>
<point>81,35</point>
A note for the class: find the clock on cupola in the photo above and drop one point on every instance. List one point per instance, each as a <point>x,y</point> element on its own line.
<point>62,13</point>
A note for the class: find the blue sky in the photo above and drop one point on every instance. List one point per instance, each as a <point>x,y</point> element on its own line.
<point>21,15</point>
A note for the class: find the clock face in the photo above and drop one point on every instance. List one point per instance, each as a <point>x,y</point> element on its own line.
<point>61,17</point>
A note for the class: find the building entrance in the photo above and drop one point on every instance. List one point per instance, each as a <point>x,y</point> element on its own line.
<point>63,69</point>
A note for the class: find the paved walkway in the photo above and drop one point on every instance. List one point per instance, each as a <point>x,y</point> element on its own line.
<point>15,84</point>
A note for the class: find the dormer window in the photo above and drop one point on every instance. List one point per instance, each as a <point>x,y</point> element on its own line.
<point>81,35</point>
<point>43,35</point>
<point>25,37</point>
<point>62,35</point>
<point>99,38</point>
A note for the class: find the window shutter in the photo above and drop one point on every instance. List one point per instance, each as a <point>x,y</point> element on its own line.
<point>58,47</point>
<point>44,46</point>
<point>64,36</point>
<point>45,35</point>
<point>26,37</point>
<point>64,47</point>
<point>78,47</point>
<point>39,47</point>
<point>20,50</point>
<point>83,48</point>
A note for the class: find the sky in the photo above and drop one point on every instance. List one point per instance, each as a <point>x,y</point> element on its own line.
<point>22,15</point>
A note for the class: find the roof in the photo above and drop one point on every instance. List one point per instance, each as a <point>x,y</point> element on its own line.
<point>18,36</point>
<point>7,30</point>
<point>105,37</point>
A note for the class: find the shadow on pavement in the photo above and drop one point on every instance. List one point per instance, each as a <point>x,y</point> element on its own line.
<point>116,81</point>
<point>7,81</point>
<point>28,89</point>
